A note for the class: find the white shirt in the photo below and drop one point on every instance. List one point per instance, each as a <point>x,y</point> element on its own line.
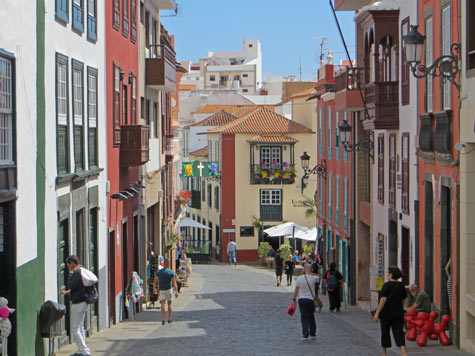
<point>232,247</point>
<point>304,291</point>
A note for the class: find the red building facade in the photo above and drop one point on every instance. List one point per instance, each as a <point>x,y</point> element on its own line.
<point>127,148</point>
<point>438,176</point>
<point>334,187</point>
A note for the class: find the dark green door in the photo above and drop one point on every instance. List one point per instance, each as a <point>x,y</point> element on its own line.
<point>63,273</point>
<point>93,266</point>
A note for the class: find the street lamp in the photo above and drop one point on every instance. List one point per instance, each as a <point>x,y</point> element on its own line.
<point>365,144</point>
<point>319,169</point>
<point>445,66</point>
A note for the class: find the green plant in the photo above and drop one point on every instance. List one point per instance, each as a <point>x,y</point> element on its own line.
<point>190,249</point>
<point>204,248</point>
<point>285,251</point>
<point>263,249</point>
<point>172,239</point>
<point>256,222</point>
<point>311,207</point>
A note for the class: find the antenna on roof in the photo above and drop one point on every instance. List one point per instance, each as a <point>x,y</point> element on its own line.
<point>322,43</point>
<point>300,69</point>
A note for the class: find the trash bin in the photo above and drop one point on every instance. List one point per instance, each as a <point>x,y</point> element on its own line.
<point>50,313</point>
<point>50,322</point>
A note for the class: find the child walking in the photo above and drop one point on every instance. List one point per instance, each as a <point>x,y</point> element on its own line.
<point>289,269</point>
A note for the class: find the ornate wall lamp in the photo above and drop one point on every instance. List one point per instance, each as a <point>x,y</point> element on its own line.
<point>319,169</point>
<point>446,66</point>
<point>365,144</point>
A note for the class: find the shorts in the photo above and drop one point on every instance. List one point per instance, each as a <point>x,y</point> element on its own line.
<point>165,295</point>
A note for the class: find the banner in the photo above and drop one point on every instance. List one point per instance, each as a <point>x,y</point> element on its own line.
<point>200,169</point>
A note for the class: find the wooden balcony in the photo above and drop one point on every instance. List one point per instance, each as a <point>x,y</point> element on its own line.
<point>134,146</point>
<point>347,86</point>
<point>160,67</point>
<point>169,154</point>
<point>382,104</point>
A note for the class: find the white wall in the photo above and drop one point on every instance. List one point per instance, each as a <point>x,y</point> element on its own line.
<point>18,36</point>
<point>62,39</point>
<point>408,123</point>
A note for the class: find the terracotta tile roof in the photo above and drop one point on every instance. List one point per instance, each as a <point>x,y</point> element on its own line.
<point>272,139</point>
<point>304,93</point>
<point>261,121</point>
<point>220,118</point>
<point>202,152</point>
<point>237,110</point>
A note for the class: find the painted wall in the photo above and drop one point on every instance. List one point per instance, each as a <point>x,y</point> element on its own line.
<point>124,53</point>
<point>443,172</point>
<point>248,197</point>
<point>25,41</point>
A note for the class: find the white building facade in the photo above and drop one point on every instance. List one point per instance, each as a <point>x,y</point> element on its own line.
<point>76,156</point>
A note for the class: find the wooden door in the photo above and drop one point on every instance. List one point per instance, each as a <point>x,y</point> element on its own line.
<point>63,274</point>
<point>405,253</point>
<point>111,278</point>
<point>93,267</point>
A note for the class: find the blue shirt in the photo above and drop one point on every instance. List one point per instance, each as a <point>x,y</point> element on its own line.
<point>165,276</point>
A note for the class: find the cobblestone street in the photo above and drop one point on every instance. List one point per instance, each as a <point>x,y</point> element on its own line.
<point>240,311</point>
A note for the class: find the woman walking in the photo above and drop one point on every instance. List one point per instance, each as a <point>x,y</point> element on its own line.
<point>289,269</point>
<point>333,283</point>
<point>390,311</point>
<point>279,265</point>
<point>305,294</point>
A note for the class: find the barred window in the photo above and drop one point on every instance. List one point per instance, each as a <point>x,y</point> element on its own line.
<point>271,197</point>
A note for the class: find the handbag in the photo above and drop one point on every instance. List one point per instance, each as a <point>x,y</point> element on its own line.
<point>316,299</point>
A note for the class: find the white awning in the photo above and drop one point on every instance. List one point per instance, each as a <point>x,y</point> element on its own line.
<point>285,229</point>
<point>187,222</point>
<point>310,235</point>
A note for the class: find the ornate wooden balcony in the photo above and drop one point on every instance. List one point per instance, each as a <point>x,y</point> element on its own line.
<point>134,146</point>
<point>382,104</point>
<point>160,67</point>
<point>347,86</point>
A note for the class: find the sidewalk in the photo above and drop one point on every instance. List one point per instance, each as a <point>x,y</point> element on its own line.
<point>132,338</point>
<point>361,319</point>
<point>125,336</point>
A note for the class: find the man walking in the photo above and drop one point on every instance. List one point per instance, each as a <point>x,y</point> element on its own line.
<point>232,248</point>
<point>166,280</point>
<point>79,307</point>
<point>304,294</point>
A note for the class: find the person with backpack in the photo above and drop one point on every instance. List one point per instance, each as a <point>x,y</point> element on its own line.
<point>333,283</point>
<point>77,296</point>
<point>289,269</point>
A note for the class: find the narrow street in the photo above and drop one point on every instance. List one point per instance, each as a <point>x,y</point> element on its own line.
<point>240,311</point>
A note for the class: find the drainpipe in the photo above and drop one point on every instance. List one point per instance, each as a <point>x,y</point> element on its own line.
<point>353,222</point>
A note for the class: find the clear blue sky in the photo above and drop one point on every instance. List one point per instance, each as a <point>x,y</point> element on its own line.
<point>287,30</point>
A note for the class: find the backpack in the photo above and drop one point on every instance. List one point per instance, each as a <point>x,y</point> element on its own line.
<point>89,280</point>
<point>332,282</point>
<point>90,294</point>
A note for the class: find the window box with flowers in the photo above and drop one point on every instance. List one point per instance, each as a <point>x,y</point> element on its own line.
<point>273,173</point>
